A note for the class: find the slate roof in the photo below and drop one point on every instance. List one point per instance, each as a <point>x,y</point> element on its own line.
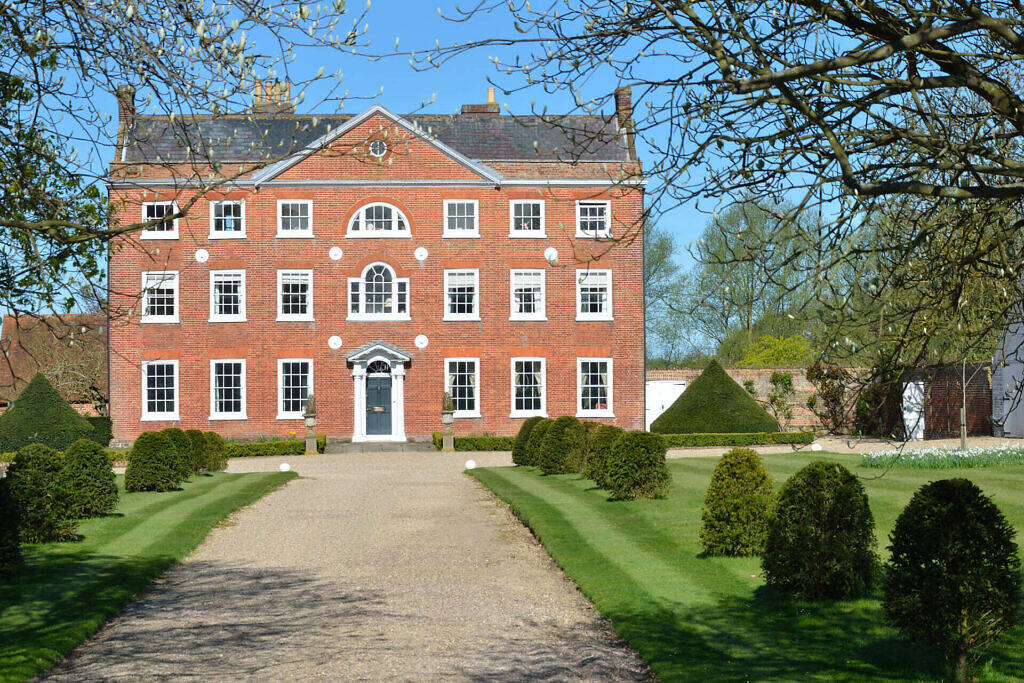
<point>243,138</point>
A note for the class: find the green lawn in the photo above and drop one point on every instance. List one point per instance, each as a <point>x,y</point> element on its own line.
<point>699,618</point>
<point>67,590</point>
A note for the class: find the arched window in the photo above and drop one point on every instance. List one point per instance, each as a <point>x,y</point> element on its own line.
<point>378,220</point>
<point>378,367</point>
<point>377,294</point>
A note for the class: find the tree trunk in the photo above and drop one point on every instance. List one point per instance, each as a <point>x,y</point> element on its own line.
<point>960,671</point>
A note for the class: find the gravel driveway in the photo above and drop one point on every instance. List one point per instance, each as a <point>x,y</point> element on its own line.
<point>392,565</point>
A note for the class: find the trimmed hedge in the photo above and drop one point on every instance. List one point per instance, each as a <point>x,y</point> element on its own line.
<point>216,454</point>
<point>821,539</point>
<point>200,445</point>
<point>477,442</point>
<point>714,403</point>
<point>638,468</point>
<point>240,449</point>
<point>520,455</point>
<point>599,453</point>
<point>90,479</point>
<point>708,440</point>
<point>564,436</point>
<point>153,464</point>
<point>737,505</point>
<point>186,452</point>
<point>536,438</point>
<point>41,415</point>
<point>103,429</point>
<point>953,581</point>
<point>38,485</point>
<point>10,538</point>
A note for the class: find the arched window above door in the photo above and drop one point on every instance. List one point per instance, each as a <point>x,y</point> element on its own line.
<point>378,367</point>
<point>377,294</point>
<point>378,219</point>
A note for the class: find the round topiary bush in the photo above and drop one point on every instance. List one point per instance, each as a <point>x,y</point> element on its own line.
<point>153,465</point>
<point>520,454</point>
<point>714,403</point>
<point>90,479</point>
<point>532,455</point>
<point>821,539</point>
<point>577,440</point>
<point>38,486</point>
<point>10,538</point>
<point>216,452</point>
<point>41,415</point>
<point>737,505</point>
<point>200,446</point>
<point>599,453</point>
<point>954,577</point>
<point>552,457</point>
<point>637,468</point>
<point>186,453</point>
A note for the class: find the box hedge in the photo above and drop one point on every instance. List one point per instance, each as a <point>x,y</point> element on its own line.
<point>216,454</point>
<point>90,479</point>
<point>637,467</point>
<point>476,442</point>
<point>737,505</point>
<point>599,453</point>
<point>565,436</point>
<point>153,464</point>
<point>41,415</point>
<point>520,456</point>
<point>710,440</point>
<point>103,429</point>
<point>200,444</point>
<point>10,537</point>
<point>532,455</point>
<point>186,452</point>
<point>39,487</point>
<point>714,402</point>
<point>241,449</point>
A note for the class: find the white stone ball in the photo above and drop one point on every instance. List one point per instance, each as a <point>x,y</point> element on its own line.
<point>284,467</point>
<point>470,464</point>
<point>815,446</point>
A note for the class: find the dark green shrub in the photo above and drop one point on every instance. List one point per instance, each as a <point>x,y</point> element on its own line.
<point>532,455</point>
<point>216,453</point>
<point>714,403</point>
<point>90,479</point>
<point>519,453</point>
<point>737,505</point>
<point>821,535</point>
<point>199,447</point>
<point>41,415</point>
<point>103,430</point>
<point>953,580</point>
<point>551,458</point>
<point>477,442</point>
<point>321,443</point>
<point>239,449</point>
<point>153,465</point>
<point>637,468</point>
<point>10,538</point>
<point>709,440</point>
<point>577,440</point>
<point>599,453</point>
<point>36,478</point>
<point>185,463</point>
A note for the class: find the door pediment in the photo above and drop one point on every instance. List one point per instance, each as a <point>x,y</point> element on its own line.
<point>375,350</point>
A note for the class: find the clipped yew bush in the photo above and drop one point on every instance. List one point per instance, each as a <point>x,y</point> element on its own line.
<point>200,446</point>
<point>216,452</point>
<point>821,538</point>
<point>737,505</point>
<point>10,538</point>
<point>520,454</point>
<point>41,415</point>
<point>90,479</point>
<point>532,455</point>
<point>599,453</point>
<point>714,402</point>
<point>564,433</point>
<point>953,580</point>
<point>153,465</point>
<point>38,486</point>
<point>637,468</point>
<point>186,452</point>
<point>577,442</point>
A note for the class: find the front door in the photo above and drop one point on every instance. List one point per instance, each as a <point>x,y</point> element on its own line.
<point>378,406</point>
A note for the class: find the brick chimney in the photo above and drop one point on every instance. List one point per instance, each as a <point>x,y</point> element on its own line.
<point>272,97</point>
<point>125,116</point>
<point>624,115</point>
<point>489,109</point>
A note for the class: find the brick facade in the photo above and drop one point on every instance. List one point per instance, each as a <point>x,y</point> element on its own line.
<point>261,339</point>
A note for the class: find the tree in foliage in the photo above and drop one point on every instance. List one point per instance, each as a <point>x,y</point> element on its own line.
<point>90,479</point>
<point>769,351</point>
<point>714,403</point>
<point>737,505</point>
<point>953,580</point>
<point>40,491</point>
<point>10,536</point>
<point>41,415</point>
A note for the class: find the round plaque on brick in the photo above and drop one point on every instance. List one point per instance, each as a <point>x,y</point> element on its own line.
<point>334,342</point>
<point>335,253</point>
<point>551,254</point>
<point>420,254</point>
<point>421,341</point>
<point>202,256</point>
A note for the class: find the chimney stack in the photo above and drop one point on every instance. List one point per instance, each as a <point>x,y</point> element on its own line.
<point>272,97</point>
<point>624,115</point>
<point>125,116</point>
<point>489,109</point>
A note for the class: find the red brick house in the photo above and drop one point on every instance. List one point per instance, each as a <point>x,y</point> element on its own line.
<point>385,261</point>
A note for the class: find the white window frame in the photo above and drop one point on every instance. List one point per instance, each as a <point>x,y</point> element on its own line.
<point>214,415</point>
<point>541,314</point>
<point>605,315</point>
<point>543,412</point>
<point>528,234</point>
<point>149,319</point>
<point>281,415</point>
<point>475,315</point>
<point>362,233</point>
<point>220,317</point>
<point>362,315</point>
<point>221,235</point>
<point>607,412</point>
<point>292,234</point>
<point>145,415</point>
<point>448,388</point>
<point>607,232</point>
<point>295,317</point>
<point>171,234</point>
<point>461,234</point>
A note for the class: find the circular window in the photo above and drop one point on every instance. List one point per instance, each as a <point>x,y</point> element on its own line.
<point>378,148</point>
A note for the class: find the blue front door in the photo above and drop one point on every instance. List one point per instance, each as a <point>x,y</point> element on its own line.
<point>378,405</point>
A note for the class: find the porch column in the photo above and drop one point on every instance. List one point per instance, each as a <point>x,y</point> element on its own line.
<point>398,401</point>
<point>358,402</point>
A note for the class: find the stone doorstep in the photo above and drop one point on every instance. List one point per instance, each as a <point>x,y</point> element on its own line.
<point>339,446</point>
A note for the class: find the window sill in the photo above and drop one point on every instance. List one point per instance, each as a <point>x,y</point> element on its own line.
<point>380,235</point>
<point>228,320</point>
<point>516,319</point>
<point>295,319</point>
<point>158,236</point>
<point>467,319</point>
<point>592,236</point>
<point>294,235</point>
<point>377,318</point>
<point>594,319</point>
<point>229,417</point>
<point>458,416</point>
<point>460,236</point>
<point>595,413</point>
<point>164,417</point>
<point>528,413</point>
<point>289,416</point>
<point>527,235</point>
<point>227,236</point>
<point>159,321</point>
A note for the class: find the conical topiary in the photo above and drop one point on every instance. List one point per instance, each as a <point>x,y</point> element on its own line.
<point>737,505</point>
<point>90,479</point>
<point>10,539</point>
<point>714,403</point>
<point>41,415</point>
